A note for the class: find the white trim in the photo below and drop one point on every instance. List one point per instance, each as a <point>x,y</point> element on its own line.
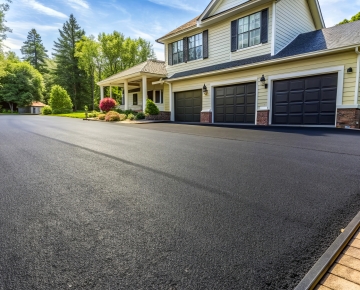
<point>126,94</point>
<point>340,86</point>
<point>247,48</point>
<point>102,92</point>
<point>356,97</point>
<point>213,85</point>
<point>348,107</point>
<point>273,39</point>
<point>171,102</point>
<point>144,92</point>
<point>263,109</point>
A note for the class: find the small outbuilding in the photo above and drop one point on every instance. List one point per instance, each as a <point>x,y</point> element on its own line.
<point>34,108</point>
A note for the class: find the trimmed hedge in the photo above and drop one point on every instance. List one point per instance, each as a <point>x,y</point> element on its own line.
<point>46,110</point>
<point>112,116</point>
<point>151,108</point>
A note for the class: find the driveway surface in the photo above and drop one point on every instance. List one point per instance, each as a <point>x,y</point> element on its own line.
<point>92,205</point>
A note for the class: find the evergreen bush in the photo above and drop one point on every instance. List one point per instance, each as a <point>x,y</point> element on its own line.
<point>151,108</point>
<point>60,101</point>
<point>46,110</point>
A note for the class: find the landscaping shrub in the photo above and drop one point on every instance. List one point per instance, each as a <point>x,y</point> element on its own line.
<point>46,110</point>
<point>128,112</point>
<point>101,117</point>
<point>123,117</point>
<point>93,114</point>
<point>107,104</point>
<point>131,116</point>
<point>60,101</point>
<point>112,116</point>
<point>151,108</point>
<point>119,110</point>
<point>140,116</point>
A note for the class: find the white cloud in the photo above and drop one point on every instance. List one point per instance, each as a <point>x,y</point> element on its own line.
<point>78,4</point>
<point>43,9</point>
<point>178,4</point>
<point>11,43</point>
<point>26,26</point>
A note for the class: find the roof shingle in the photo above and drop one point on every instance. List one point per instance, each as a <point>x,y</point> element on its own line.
<point>191,24</point>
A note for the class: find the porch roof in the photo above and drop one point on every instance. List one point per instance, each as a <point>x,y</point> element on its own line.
<point>150,68</point>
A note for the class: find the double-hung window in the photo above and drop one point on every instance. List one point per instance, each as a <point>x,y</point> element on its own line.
<point>159,97</point>
<point>249,31</point>
<point>135,99</point>
<point>189,48</point>
<point>195,47</point>
<point>178,52</point>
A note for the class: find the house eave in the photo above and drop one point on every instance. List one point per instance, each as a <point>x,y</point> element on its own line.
<point>266,63</point>
<point>115,81</point>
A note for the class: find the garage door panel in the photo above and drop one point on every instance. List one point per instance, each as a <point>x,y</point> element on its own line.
<point>188,106</point>
<point>329,94</point>
<point>327,119</point>
<point>229,101</point>
<point>250,110</point>
<point>297,85</point>
<point>282,98</point>
<point>296,97</point>
<point>328,107</point>
<point>329,81</point>
<point>281,109</point>
<point>251,100</point>
<point>229,110</point>
<point>296,119</point>
<point>312,108</point>
<point>312,101</point>
<point>312,83</point>
<point>310,96</point>
<point>282,86</point>
<point>296,108</point>
<point>240,100</point>
<point>219,92</point>
<point>251,88</point>
<point>238,105</point>
<point>311,119</point>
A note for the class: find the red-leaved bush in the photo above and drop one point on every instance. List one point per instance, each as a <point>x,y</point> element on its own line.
<point>107,104</point>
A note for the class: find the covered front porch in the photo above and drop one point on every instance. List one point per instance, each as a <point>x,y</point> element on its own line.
<point>137,85</point>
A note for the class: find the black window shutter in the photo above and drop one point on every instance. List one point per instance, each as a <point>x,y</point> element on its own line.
<point>170,54</point>
<point>185,49</point>
<point>234,35</point>
<point>206,44</point>
<point>265,26</point>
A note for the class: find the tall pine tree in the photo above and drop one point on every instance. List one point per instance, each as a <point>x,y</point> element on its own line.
<point>67,72</point>
<point>34,51</point>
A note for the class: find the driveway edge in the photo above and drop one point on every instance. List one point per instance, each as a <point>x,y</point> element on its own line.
<point>313,277</point>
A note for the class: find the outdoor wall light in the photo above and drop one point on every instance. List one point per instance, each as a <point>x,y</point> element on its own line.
<point>205,90</point>
<point>349,70</point>
<point>263,81</point>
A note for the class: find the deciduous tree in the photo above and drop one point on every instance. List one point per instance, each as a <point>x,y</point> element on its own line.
<point>356,17</point>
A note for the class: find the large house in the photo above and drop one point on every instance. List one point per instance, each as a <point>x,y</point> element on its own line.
<point>264,62</point>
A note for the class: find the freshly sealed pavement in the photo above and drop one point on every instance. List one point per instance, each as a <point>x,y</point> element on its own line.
<point>93,205</point>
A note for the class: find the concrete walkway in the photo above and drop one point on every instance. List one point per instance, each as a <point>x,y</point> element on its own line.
<point>345,273</point>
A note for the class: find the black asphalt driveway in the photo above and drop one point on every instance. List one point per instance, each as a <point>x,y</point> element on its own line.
<point>92,205</point>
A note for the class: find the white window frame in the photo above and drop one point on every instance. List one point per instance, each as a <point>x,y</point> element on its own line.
<point>237,23</point>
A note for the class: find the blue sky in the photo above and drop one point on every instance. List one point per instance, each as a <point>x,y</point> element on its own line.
<point>149,19</point>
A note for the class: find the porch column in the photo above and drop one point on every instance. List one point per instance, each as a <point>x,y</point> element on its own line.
<point>144,91</point>
<point>102,92</point>
<point>111,92</point>
<point>171,101</point>
<point>126,94</point>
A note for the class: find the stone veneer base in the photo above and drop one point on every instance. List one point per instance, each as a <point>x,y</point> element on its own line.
<point>163,116</point>
<point>263,118</point>
<point>206,117</point>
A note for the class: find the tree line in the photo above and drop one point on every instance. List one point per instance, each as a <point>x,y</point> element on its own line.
<point>77,63</point>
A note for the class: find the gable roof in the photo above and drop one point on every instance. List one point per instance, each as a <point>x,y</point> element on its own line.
<point>192,24</point>
<point>155,67</point>
<point>327,39</point>
<point>188,25</point>
<point>37,104</point>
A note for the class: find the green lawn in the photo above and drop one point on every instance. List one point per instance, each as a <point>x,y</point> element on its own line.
<point>77,114</point>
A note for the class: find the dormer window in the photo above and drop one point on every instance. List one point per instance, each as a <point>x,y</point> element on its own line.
<point>250,30</point>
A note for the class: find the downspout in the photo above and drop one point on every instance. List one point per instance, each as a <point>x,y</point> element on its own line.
<point>356,99</point>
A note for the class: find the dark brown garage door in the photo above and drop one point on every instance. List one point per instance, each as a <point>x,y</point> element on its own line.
<point>188,106</point>
<point>305,101</point>
<point>235,104</point>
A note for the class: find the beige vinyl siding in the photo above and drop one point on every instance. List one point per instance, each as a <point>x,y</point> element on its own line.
<point>292,19</point>
<point>166,97</point>
<point>225,5</point>
<point>220,45</point>
<point>347,59</point>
